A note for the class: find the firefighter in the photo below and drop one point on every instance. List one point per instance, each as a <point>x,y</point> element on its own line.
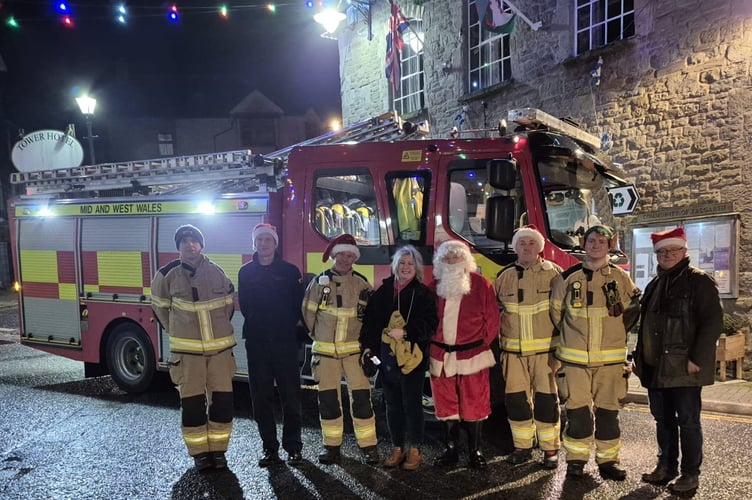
<point>333,310</point>
<point>193,301</point>
<point>593,305</point>
<point>270,292</point>
<point>460,351</point>
<point>528,340</point>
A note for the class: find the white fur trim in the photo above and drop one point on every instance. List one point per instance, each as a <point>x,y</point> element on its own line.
<point>668,242</point>
<point>526,232</point>
<point>344,247</point>
<point>265,230</point>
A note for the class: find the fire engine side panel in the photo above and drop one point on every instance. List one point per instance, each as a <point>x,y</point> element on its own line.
<point>115,256</point>
<point>228,244</point>
<point>46,247</point>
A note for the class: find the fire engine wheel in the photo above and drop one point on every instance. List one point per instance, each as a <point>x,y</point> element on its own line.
<point>130,358</point>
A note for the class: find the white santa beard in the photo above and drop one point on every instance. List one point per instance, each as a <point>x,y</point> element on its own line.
<point>454,281</point>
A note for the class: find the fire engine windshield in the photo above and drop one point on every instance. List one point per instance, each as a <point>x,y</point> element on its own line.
<point>576,197</point>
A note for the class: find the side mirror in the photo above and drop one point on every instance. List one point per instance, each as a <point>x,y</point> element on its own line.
<point>500,218</point>
<point>502,173</point>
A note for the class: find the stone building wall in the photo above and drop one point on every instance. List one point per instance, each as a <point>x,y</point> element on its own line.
<point>676,98</point>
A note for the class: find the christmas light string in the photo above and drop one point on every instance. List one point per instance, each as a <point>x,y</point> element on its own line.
<point>122,13</point>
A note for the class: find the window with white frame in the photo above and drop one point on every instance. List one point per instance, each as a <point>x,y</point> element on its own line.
<point>411,95</point>
<point>489,58</point>
<point>600,22</point>
<point>165,144</point>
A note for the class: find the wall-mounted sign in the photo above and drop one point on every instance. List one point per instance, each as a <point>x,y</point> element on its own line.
<point>46,150</point>
<point>623,199</point>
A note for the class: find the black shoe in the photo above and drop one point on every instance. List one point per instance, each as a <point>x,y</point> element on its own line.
<point>550,459</point>
<point>685,484</point>
<point>613,471</point>
<point>219,459</point>
<point>295,458</point>
<point>370,455</point>
<point>203,461</point>
<point>449,457</point>
<point>270,459</point>
<point>520,456</point>
<point>330,455</point>
<point>477,460</point>
<point>661,475</point>
<point>575,468</point>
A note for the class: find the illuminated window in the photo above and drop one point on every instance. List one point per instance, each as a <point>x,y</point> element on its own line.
<point>408,203</point>
<point>600,22</point>
<point>345,202</point>
<point>165,145</point>
<point>489,56</point>
<point>411,95</point>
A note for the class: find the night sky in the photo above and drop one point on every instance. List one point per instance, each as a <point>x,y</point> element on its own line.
<point>200,67</point>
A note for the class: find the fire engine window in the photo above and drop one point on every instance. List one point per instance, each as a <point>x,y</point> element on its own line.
<point>575,200</point>
<point>468,193</point>
<point>346,204</point>
<point>408,203</point>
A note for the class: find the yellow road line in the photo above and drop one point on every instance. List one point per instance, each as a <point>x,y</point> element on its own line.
<point>707,416</point>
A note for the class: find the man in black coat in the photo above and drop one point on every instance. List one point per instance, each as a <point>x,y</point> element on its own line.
<point>680,323</point>
<point>270,292</point>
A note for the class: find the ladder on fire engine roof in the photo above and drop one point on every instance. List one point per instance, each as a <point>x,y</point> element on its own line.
<point>241,170</point>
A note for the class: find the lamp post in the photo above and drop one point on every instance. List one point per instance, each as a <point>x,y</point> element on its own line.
<point>87,104</point>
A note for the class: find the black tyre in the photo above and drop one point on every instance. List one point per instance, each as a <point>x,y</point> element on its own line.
<point>130,358</point>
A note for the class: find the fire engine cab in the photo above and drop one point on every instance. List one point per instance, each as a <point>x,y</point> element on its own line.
<point>86,241</point>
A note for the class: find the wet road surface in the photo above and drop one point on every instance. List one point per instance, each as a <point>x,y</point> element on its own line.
<point>66,437</point>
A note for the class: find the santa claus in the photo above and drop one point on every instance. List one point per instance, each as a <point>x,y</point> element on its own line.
<point>460,352</point>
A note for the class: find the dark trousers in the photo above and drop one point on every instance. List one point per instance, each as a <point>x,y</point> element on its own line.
<point>267,364</point>
<point>677,419</point>
<point>403,395</point>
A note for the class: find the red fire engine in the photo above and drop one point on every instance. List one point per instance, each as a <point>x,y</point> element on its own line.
<point>86,241</point>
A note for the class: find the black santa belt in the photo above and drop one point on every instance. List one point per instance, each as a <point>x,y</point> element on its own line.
<point>458,347</point>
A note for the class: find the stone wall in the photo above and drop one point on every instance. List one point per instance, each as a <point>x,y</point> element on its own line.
<point>676,98</point>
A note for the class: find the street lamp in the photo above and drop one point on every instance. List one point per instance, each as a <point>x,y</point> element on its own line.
<point>87,104</point>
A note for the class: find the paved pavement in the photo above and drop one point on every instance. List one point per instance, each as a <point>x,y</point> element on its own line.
<point>732,396</point>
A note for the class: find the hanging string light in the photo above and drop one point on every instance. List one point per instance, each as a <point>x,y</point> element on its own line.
<point>70,13</point>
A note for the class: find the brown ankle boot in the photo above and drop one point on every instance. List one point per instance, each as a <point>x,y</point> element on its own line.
<point>413,459</point>
<point>395,459</point>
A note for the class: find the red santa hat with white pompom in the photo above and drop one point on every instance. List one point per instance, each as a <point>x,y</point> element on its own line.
<point>342,243</point>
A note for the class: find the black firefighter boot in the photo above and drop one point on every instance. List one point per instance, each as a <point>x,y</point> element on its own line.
<point>452,432</point>
<point>477,461</point>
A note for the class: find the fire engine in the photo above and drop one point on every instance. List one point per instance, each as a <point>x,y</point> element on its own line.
<point>87,240</point>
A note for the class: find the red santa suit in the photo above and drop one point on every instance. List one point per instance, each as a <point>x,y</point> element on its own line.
<point>460,352</point>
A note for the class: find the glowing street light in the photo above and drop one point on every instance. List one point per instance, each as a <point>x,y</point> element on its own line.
<point>87,104</point>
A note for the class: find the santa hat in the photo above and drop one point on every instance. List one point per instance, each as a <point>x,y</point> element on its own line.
<point>186,231</point>
<point>342,243</point>
<point>455,246</point>
<point>672,237</point>
<point>264,229</point>
<point>528,232</point>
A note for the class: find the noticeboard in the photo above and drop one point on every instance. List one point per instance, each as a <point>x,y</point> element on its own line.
<point>712,242</point>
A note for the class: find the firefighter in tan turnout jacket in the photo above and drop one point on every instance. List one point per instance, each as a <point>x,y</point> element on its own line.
<point>333,310</point>
<point>593,305</point>
<point>193,301</point>
<point>528,340</point>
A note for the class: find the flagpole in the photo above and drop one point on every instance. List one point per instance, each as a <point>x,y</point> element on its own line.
<point>426,52</point>
<point>534,25</point>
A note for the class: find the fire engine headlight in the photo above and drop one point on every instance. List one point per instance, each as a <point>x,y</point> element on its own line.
<point>206,208</point>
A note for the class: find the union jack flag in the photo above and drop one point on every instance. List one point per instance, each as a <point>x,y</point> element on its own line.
<point>394,44</point>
